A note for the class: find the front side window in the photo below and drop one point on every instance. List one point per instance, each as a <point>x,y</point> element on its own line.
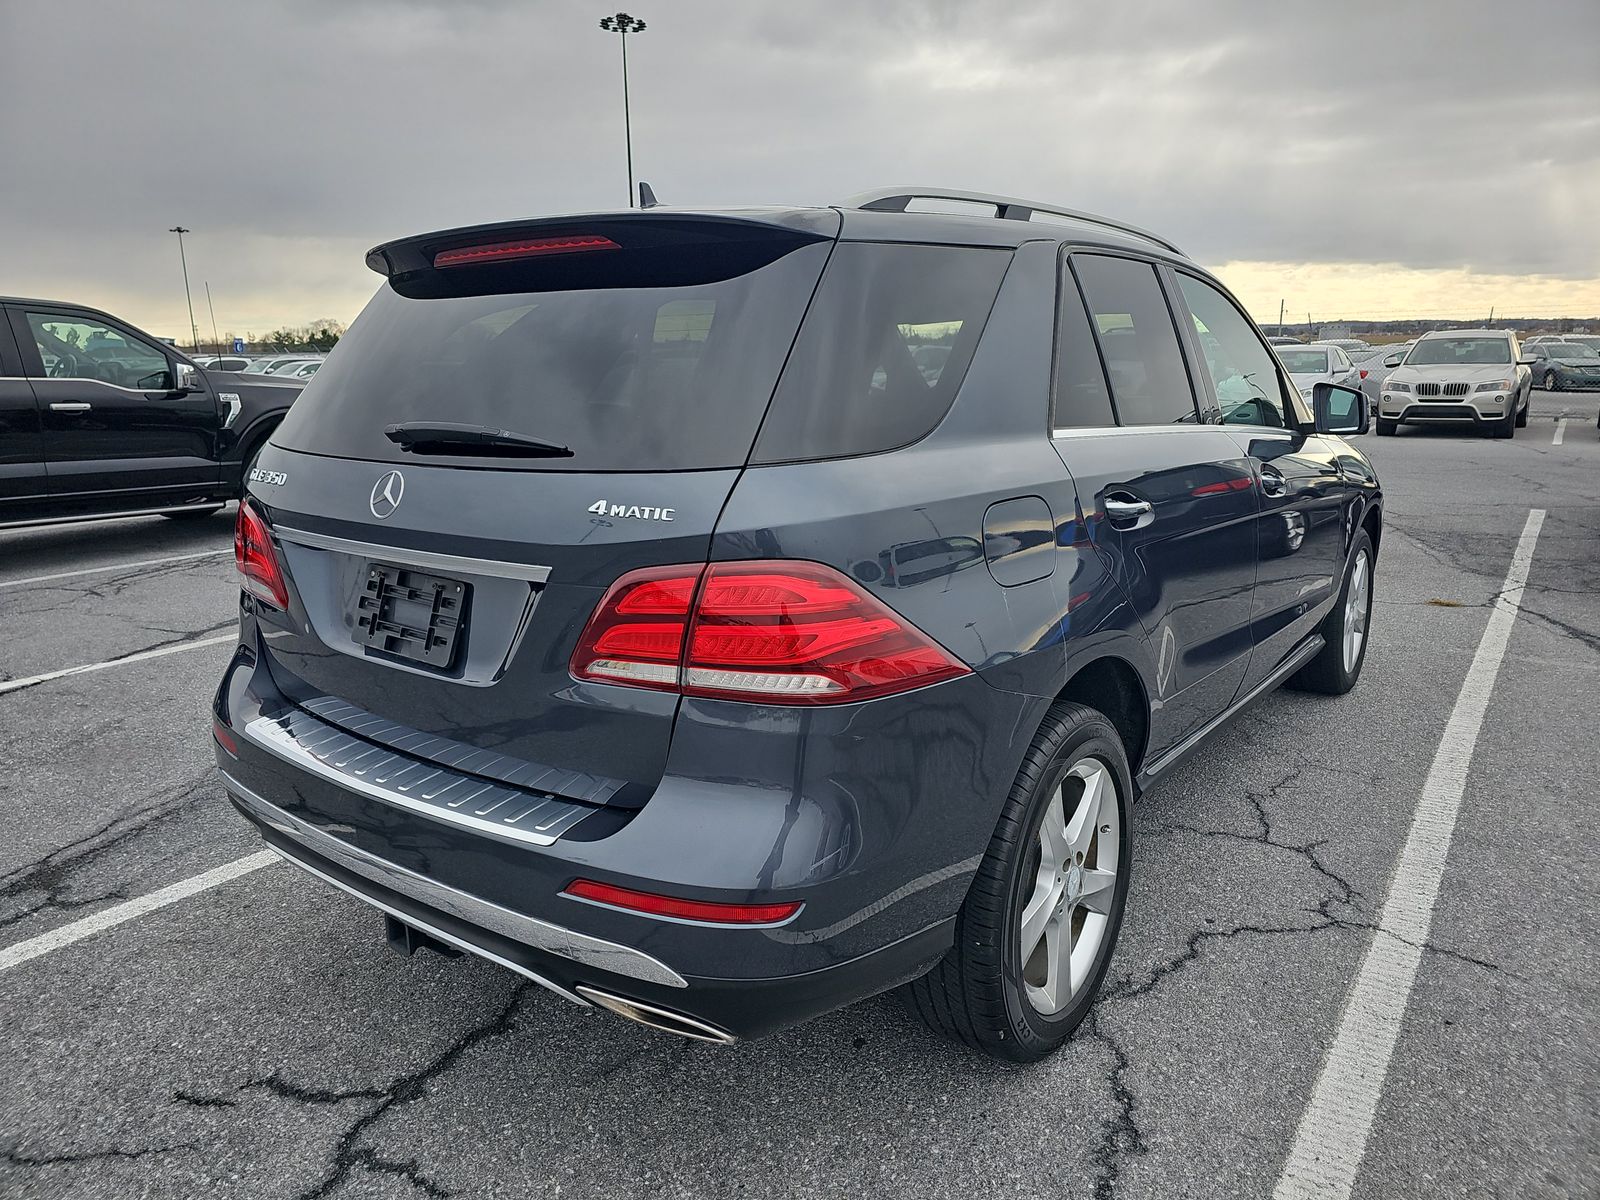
<point>1241,366</point>
<point>1138,341</point>
<point>78,346</point>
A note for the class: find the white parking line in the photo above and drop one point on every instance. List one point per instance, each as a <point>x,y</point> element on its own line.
<point>15,685</point>
<point>126,566</point>
<point>1333,1131</point>
<point>1561,432</point>
<point>128,910</point>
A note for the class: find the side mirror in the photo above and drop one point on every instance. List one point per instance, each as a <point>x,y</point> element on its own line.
<point>1339,409</point>
<point>185,378</point>
<point>1528,362</point>
<point>1394,360</point>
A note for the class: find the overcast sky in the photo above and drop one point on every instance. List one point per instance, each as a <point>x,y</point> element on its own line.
<point>1357,159</point>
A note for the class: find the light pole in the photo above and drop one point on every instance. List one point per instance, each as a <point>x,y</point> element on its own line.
<point>624,24</point>
<point>194,330</point>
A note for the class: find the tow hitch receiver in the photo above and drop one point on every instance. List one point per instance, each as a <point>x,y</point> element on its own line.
<point>407,941</point>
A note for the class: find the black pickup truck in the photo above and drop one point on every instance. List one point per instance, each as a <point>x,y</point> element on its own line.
<point>100,419</point>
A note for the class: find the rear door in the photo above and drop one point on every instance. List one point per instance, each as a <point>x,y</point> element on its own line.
<point>1170,502</point>
<point>1301,531</point>
<point>114,428</point>
<point>23,485</point>
<point>438,592</point>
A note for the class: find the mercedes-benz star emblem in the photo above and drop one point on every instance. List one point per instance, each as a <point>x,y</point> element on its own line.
<point>386,495</point>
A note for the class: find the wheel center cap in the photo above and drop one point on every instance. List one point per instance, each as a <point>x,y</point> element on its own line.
<point>1074,881</point>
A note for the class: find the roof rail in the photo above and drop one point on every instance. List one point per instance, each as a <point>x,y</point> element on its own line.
<point>1007,208</point>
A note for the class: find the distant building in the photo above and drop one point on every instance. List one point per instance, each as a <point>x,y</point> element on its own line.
<point>1333,331</point>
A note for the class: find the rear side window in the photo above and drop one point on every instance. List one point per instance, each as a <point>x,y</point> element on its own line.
<point>1082,400</point>
<point>883,351</point>
<point>630,377</point>
<point>1137,339</point>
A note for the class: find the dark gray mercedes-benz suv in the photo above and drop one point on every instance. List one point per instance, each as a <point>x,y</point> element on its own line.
<point>722,616</point>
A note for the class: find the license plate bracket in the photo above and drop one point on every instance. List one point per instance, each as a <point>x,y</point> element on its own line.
<point>411,615</point>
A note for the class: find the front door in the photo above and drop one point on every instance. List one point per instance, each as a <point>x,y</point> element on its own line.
<point>115,431</point>
<point>1301,529</point>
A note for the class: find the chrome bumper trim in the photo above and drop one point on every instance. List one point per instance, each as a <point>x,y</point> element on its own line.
<point>426,560</point>
<point>422,786</point>
<point>518,927</point>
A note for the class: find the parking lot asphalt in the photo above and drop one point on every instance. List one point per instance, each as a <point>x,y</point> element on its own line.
<point>258,1038</point>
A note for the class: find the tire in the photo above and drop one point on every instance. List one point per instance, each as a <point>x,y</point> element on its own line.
<point>1333,672</point>
<point>983,992</point>
<point>1506,426</point>
<point>1387,428</point>
<point>1552,382</point>
<point>1522,413</point>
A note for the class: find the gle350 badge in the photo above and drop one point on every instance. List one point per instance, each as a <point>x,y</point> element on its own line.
<point>275,478</point>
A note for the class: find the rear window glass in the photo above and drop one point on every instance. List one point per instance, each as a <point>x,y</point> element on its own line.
<point>645,378</point>
<point>883,351</point>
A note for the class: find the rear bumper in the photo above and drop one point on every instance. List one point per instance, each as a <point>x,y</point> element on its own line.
<point>879,851</point>
<point>569,962</point>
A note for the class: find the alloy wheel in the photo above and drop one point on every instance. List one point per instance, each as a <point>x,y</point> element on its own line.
<point>1068,908</point>
<point>1355,610</point>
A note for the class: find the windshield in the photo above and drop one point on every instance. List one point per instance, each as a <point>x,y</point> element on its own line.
<point>1462,351</point>
<point>1305,362</point>
<point>1570,350</point>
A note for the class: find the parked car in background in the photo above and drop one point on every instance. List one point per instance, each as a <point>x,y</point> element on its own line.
<point>660,624</point>
<point>1319,362</point>
<point>1558,366</point>
<point>223,362</point>
<point>268,365</point>
<point>300,370</point>
<point>1354,347</point>
<point>1591,340</point>
<point>1283,339</point>
<point>98,418</point>
<point>1457,376</point>
<point>1374,372</point>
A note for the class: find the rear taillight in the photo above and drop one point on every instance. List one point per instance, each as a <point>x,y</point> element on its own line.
<point>260,572</point>
<point>774,632</point>
<point>1363,373</point>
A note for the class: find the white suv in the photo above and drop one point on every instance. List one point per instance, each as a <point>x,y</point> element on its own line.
<point>1458,375</point>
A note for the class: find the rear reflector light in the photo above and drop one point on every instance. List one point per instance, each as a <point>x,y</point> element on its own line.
<point>224,738</point>
<point>253,553</point>
<point>772,632</point>
<point>684,910</point>
<point>464,256</point>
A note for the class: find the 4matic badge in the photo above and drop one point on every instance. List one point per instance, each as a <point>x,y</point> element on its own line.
<point>645,512</point>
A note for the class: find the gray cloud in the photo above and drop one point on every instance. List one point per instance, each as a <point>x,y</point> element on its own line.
<point>292,135</point>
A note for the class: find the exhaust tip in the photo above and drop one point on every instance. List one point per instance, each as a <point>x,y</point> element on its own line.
<point>657,1018</point>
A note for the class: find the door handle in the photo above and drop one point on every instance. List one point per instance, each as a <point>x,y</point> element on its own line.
<point>1272,483</point>
<point>70,406</point>
<point>1126,511</point>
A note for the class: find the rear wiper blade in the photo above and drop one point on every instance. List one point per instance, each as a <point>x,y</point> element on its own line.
<point>450,437</point>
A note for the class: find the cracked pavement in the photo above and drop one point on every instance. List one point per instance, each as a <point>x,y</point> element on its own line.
<point>259,1040</point>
